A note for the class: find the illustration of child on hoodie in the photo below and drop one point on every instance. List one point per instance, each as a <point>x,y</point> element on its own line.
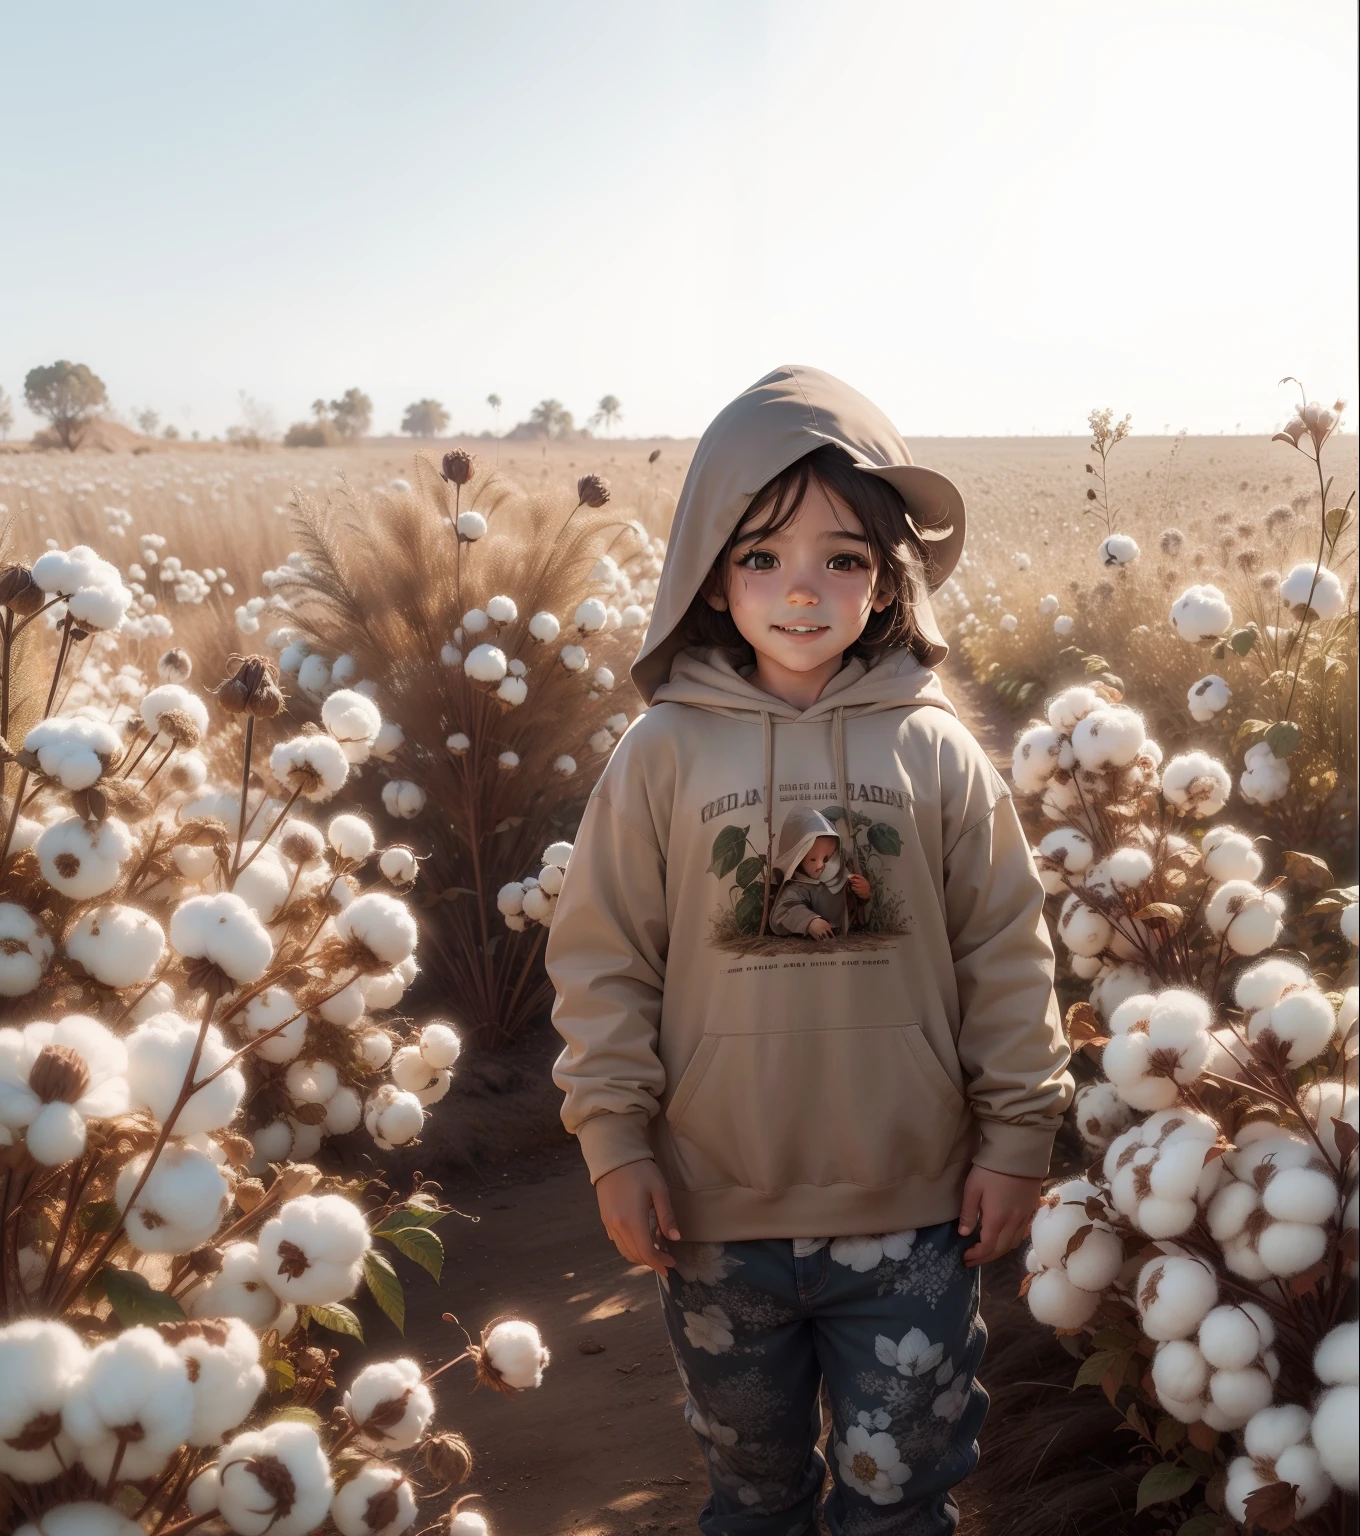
<point>814,898</point>
<point>815,1146</point>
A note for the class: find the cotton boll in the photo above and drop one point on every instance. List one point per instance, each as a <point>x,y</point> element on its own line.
<point>1273,1430</point>
<point>1324,1102</point>
<point>180,1205</point>
<point>1302,1466</point>
<point>1068,848</point>
<point>376,1394</point>
<point>25,950</point>
<point>512,692</point>
<point>565,765</point>
<point>1336,1435</point>
<point>385,990</point>
<point>41,1363</point>
<point>344,1112</point>
<point>486,663</point>
<point>1230,855</point>
<point>1097,1262</point>
<point>352,719</point>
<point>1173,1295</point>
<point>1232,1336</point>
<point>398,864</point>
<point>403,799</point>
<point>269,1009</point>
<point>1057,1303</point>
<point>1238,1395</point>
<point>82,860</point>
<point>1244,1479</point>
<point>275,1480</point>
<point>1118,549</point>
<point>1208,697</point>
<point>537,904</point>
<point>1123,870</point>
<point>1289,1247</point>
<point>224,930</point>
<point>314,767</point>
<point>439,1045</point>
<point>1053,1228</point>
<point>307,1140</point>
<point>1201,613</point>
<point>451,656</point>
<point>393,1117</point>
<point>470,526</point>
<point>1084,930</point>
<point>1313,590</point>
<point>352,837</point>
<point>159,1051</point>
<point>223,1361</point>
<point>1108,737</point>
<point>1072,705</point>
<point>263,884</point>
<point>314,675</point>
<point>1035,759</point>
<point>550,880</point>
<point>375,1045</point>
<point>1265,778</point>
<point>1302,1021</point>
<point>379,924</point>
<point>1196,784</point>
<point>1248,917</point>
<point>1179,1370</point>
<point>516,1353</point>
<point>1118,985</point>
<point>311,1082</point>
<point>312,1252</point>
<point>133,1383</point>
<point>1300,1195</point>
<point>366,1500</point>
<point>1099,1114</point>
<point>1265,984</point>
<point>544,627</point>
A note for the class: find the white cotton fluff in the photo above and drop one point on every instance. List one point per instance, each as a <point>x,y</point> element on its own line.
<point>403,799</point>
<point>1035,759</point>
<point>398,864</point>
<point>313,766</point>
<point>1123,870</point>
<point>516,1351</point>
<point>393,1117</point>
<point>238,1289</point>
<point>75,752</point>
<point>1265,778</point>
<point>1302,1021</point>
<point>1117,985</point>
<point>171,698</point>
<point>1230,855</point>
<point>53,1126</point>
<point>1208,697</point>
<point>262,883</point>
<point>1070,850</point>
<point>374,1488</point>
<point>254,1505</point>
<point>471,526</point>
<point>510,899</point>
<point>1304,1195</point>
<point>458,743</point>
<point>1232,1336</point>
<point>180,1206</point>
<point>450,656</point>
<point>1084,930</point>
<point>1099,1114</point>
<point>1200,613</point>
<point>311,1081</point>
<point>507,761</point>
<point>440,1045</point>
<point>574,658</point>
<point>486,664</point>
<point>118,945</point>
<point>1173,1295</point>
<point>223,1362</point>
<point>1264,984</point>
<point>590,616</point>
<point>1057,1303</point>
<point>384,1385</point>
<point>389,741</point>
<point>159,1051</point>
<point>352,837</point>
<point>83,860</point>
<point>354,721</point>
<point>313,1251</point>
<point>1180,1373</point>
<point>1118,549</point>
<point>1336,1434</point>
<point>380,924</point>
<point>412,1073</point>
<point>1311,588</point>
<point>1248,917</point>
<point>1072,705</point>
<point>1109,737</point>
<point>550,879</point>
<point>1009,624</point>
<point>345,1007</point>
<point>544,627</point>
<point>375,1045</point>
<point>1350,923</point>
<point>314,675</point>
<point>41,1363</point>
<point>25,950</point>
<point>475,621</point>
<point>565,765</point>
<point>132,1382</point>
<point>1196,784</point>
<point>466,1522</point>
<point>344,1112</point>
<point>224,930</point>
<point>268,1010</point>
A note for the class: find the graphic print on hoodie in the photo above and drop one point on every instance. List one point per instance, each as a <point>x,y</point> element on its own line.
<point>790,1087</point>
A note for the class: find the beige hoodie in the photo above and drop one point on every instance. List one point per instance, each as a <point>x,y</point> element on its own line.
<point>790,1087</point>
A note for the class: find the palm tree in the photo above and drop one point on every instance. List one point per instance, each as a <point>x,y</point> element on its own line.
<point>494,401</point>
<point>551,417</point>
<point>608,411</point>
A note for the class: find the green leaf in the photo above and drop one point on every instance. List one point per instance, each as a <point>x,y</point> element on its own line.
<point>100,1216</point>
<point>1201,1463</point>
<point>1170,1433</point>
<point>1202,1525</point>
<point>297,1415</point>
<point>335,1317</point>
<point>1335,521</point>
<point>748,909</point>
<point>279,1376</point>
<point>1243,641</point>
<point>728,847</point>
<point>1283,737</point>
<point>409,1216</point>
<point>1167,1480</point>
<point>1251,731</point>
<point>134,1301</point>
<point>420,1245</point>
<point>384,1285</point>
<point>750,869</point>
<point>1115,1339</point>
<point>885,839</point>
<point>834,812</point>
<point>1097,1366</point>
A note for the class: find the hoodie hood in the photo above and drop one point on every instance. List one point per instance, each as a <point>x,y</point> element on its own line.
<point>780,418</point>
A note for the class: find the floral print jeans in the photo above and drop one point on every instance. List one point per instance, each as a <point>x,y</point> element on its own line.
<point>890,1322</point>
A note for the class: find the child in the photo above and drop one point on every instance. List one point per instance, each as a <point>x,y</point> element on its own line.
<point>829,1128</point>
<point>812,901</point>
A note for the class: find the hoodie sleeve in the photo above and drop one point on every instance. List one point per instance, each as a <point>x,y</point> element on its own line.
<point>1011,1043</point>
<point>606,956</point>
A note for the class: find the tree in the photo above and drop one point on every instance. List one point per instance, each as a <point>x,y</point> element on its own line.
<point>148,420</point>
<point>426,418</point>
<point>6,415</point>
<point>257,424</point>
<point>494,401</point>
<point>608,412</point>
<point>352,414</point>
<point>551,418</point>
<point>68,395</point>
<point>319,408</point>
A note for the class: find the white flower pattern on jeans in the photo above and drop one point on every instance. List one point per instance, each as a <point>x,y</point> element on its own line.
<point>913,1355</point>
<point>865,1253</point>
<point>710,1329</point>
<point>870,1463</point>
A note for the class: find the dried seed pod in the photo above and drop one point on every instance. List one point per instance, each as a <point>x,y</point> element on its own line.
<point>457,466</point>
<point>448,1457</point>
<point>592,490</point>
<point>18,591</point>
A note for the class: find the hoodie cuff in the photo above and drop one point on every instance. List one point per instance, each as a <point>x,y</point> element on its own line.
<point>609,1140</point>
<point>1023,1151</point>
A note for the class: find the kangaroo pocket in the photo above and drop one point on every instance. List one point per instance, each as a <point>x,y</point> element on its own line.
<point>863,1105</point>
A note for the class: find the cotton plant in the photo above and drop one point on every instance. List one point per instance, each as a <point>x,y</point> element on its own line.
<point>201,952</point>
<point>1210,1246</point>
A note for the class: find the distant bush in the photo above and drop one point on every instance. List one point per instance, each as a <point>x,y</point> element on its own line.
<point>322,433</point>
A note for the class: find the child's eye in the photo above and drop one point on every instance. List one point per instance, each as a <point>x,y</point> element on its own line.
<point>758,560</point>
<point>847,562</point>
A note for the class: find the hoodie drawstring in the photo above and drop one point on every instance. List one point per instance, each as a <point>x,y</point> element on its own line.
<point>838,752</point>
<point>767,732</point>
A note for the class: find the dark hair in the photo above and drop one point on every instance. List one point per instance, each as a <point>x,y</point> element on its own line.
<point>898,557</point>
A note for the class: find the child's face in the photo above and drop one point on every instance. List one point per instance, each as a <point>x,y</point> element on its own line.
<point>800,596</point>
<point>822,850</point>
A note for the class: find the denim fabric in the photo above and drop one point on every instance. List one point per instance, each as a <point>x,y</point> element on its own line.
<point>890,1322</point>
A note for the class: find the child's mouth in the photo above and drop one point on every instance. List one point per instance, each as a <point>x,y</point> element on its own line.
<point>801,630</point>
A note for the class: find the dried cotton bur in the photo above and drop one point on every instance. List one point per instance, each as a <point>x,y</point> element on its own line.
<point>495,630</point>
<point>197,984</point>
<point>1210,1248</point>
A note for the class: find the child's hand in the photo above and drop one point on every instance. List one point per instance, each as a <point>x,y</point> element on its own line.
<point>819,928</point>
<point>1005,1204</point>
<point>627,1197</point>
<point>859,885</point>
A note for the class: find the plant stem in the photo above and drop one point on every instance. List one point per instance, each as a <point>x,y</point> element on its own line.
<point>245,791</point>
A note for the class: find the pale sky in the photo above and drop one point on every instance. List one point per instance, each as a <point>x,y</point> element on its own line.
<point>988,217</point>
